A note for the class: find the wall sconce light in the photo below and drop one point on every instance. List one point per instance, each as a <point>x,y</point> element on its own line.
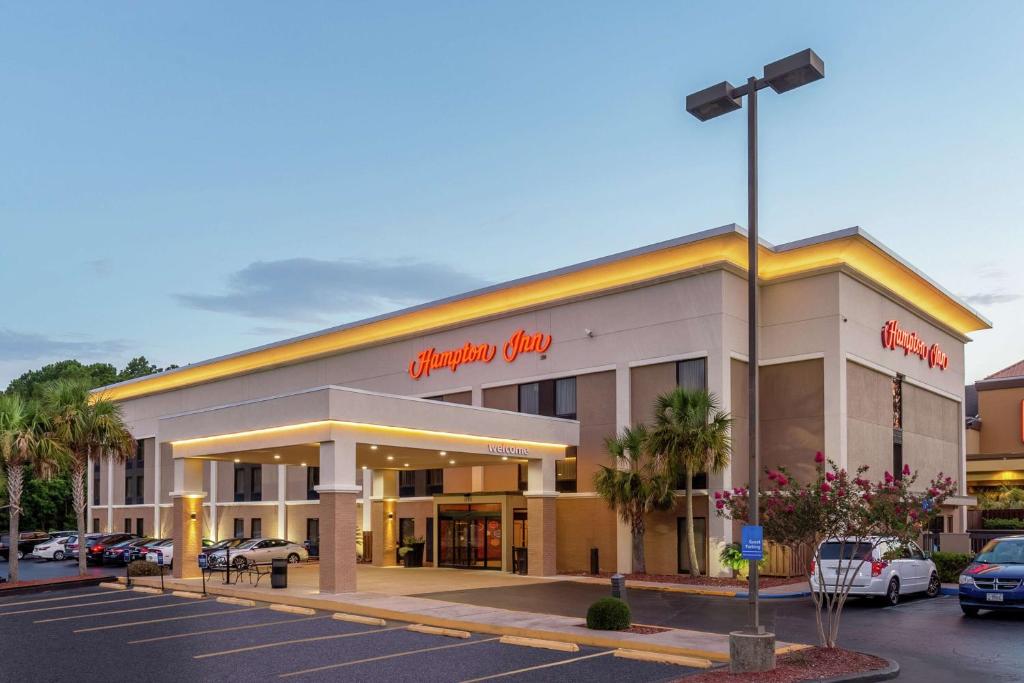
<point>192,516</point>
<point>391,515</point>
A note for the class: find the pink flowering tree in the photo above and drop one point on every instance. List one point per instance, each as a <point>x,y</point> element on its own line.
<point>851,510</point>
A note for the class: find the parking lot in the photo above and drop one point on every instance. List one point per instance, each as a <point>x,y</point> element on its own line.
<point>116,635</point>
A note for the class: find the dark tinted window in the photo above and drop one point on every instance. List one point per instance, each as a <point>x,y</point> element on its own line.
<point>850,551</point>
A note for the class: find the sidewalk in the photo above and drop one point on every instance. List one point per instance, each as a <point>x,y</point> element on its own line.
<point>797,589</point>
<point>711,646</point>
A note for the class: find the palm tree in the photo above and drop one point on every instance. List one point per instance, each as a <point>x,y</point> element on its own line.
<point>693,435</point>
<point>25,442</point>
<point>636,483</point>
<point>86,424</point>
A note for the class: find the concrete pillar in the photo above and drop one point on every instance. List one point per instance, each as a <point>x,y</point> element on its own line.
<point>88,493</point>
<point>110,495</point>
<point>719,381</point>
<point>187,516</point>
<point>157,485</point>
<point>338,495</point>
<point>214,526</point>
<point>367,506</point>
<point>282,495</point>
<point>541,538</point>
<point>385,525</point>
<point>623,535</point>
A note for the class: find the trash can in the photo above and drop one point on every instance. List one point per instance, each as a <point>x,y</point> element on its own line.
<point>279,573</point>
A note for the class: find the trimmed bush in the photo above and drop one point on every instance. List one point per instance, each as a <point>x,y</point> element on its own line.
<point>950,565</point>
<point>143,568</point>
<point>1002,523</point>
<point>608,614</point>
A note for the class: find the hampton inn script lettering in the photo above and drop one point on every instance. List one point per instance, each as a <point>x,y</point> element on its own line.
<point>520,342</point>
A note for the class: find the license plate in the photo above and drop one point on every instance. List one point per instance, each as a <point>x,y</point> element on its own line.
<point>994,597</point>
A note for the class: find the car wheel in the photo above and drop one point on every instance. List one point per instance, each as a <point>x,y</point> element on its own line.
<point>892,593</point>
<point>969,611</point>
<point>239,563</point>
<point>934,586</point>
<point>293,558</point>
<point>58,555</point>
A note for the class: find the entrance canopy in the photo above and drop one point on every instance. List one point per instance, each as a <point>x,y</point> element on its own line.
<point>388,432</point>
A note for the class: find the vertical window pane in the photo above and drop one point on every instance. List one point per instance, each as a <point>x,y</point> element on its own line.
<point>565,397</point>
<point>692,374</point>
<point>529,398</point>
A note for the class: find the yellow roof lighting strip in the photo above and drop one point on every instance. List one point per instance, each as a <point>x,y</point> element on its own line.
<point>717,248</point>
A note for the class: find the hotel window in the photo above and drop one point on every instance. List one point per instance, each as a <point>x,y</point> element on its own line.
<point>313,530</point>
<point>238,530</point>
<point>435,482</point>
<point>692,374</point>
<point>565,475</point>
<point>312,481</point>
<point>127,525</point>
<point>96,482</point>
<point>248,483</point>
<point>406,483</point>
<point>897,426</point>
<point>95,525</point>
<point>256,527</point>
<point>554,398</point>
<point>428,549</point>
<point>256,479</point>
<point>138,526</point>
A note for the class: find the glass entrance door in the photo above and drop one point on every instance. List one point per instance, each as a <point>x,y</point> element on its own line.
<point>469,536</point>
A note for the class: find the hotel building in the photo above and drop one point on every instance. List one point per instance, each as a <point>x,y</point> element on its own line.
<point>995,432</point>
<point>478,422</point>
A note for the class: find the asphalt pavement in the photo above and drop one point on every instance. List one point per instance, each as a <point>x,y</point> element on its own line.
<point>113,635</point>
<point>929,638</point>
<point>31,569</point>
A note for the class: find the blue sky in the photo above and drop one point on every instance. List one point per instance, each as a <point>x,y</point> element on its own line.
<point>185,180</point>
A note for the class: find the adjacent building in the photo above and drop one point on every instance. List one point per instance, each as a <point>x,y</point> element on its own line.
<point>477,422</point>
<point>995,432</point>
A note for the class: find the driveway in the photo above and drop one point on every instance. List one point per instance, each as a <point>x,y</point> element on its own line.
<point>929,638</point>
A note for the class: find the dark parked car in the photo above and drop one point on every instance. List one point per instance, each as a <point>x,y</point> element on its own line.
<point>995,579</point>
<point>27,540</point>
<point>139,552</point>
<point>120,553</point>
<point>72,544</point>
<point>95,549</point>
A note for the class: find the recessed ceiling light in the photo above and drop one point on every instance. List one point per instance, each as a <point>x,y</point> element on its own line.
<point>277,456</point>
<point>373,447</point>
<point>391,457</point>
<point>405,465</point>
<point>504,457</point>
<point>364,467</point>
<point>303,464</point>
<point>451,462</point>
<point>238,460</point>
<point>443,453</point>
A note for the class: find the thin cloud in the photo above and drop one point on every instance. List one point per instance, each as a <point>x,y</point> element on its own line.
<point>989,298</point>
<point>19,346</point>
<point>307,289</point>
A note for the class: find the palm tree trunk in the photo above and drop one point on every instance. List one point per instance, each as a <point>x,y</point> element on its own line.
<point>694,566</point>
<point>78,497</point>
<point>15,483</point>
<point>639,560</point>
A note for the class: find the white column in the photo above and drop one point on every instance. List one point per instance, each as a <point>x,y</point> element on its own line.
<point>477,395</point>
<point>214,527</point>
<point>157,484</point>
<point>282,495</point>
<point>88,493</point>
<point>719,378</point>
<point>623,536</point>
<point>110,495</point>
<point>368,477</point>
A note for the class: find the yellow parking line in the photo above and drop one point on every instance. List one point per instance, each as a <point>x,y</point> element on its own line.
<point>157,621</point>
<point>119,611</point>
<point>539,666</point>
<point>223,630</point>
<point>81,604</point>
<point>66,597</point>
<point>281,643</point>
<point>382,657</point>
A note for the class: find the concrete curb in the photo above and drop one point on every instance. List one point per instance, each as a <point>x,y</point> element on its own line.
<point>888,673</point>
<point>58,584</point>
<point>949,591</point>
<point>775,596</point>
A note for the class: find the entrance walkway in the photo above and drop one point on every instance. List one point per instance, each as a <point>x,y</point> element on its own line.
<point>403,581</point>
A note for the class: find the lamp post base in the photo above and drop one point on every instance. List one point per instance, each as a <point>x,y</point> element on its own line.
<point>751,651</point>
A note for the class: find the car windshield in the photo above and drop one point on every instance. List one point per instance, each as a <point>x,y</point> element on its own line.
<point>248,544</point>
<point>1000,551</point>
<point>849,551</point>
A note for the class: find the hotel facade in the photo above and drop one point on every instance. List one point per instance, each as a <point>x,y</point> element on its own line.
<point>477,423</point>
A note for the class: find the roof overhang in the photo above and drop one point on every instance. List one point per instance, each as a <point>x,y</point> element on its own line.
<point>720,247</point>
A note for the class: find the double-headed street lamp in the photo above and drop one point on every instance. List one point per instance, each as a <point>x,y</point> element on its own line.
<point>781,76</point>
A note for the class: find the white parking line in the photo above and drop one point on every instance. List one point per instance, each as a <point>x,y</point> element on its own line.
<point>223,630</point>
<point>120,611</point>
<point>66,597</point>
<point>382,657</point>
<point>81,604</point>
<point>280,643</point>
<point>515,672</point>
<point>157,621</point>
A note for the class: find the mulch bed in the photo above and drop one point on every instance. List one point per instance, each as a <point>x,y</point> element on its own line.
<point>639,629</point>
<point>812,664</point>
<point>687,580</point>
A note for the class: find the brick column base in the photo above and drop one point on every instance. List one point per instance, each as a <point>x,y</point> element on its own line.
<point>541,540</point>
<point>187,534</point>
<point>338,541</point>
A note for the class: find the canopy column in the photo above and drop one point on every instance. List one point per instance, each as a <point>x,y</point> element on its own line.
<point>338,508</point>
<point>540,512</point>
<point>187,517</point>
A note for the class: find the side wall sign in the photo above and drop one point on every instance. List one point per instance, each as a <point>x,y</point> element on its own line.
<point>520,342</point>
<point>895,337</point>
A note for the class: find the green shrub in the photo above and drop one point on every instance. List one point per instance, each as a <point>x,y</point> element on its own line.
<point>608,614</point>
<point>950,565</point>
<point>143,568</point>
<point>1002,523</point>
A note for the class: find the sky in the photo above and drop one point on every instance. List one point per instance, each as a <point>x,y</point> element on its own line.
<point>185,180</point>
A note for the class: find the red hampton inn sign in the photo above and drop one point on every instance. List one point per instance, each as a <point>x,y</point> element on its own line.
<point>520,342</point>
<point>895,337</point>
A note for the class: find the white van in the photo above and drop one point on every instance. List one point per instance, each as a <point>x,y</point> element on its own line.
<point>883,568</point>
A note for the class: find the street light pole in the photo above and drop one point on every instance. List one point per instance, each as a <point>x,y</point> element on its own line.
<point>754,650</point>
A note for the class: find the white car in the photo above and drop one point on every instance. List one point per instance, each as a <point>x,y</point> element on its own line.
<point>52,549</point>
<point>882,569</point>
<point>164,550</point>
<point>259,551</point>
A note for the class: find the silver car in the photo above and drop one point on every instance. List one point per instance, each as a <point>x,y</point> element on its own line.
<point>259,551</point>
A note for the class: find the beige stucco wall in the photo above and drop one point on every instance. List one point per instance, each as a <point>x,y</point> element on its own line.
<point>869,406</point>
<point>931,433</point>
<point>584,523</point>
<point>791,416</point>
<point>1000,411</point>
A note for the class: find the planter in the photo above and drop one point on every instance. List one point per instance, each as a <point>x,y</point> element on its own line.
<point>414,558</point>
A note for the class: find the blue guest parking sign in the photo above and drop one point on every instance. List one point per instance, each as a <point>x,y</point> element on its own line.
<point>752,543</point>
